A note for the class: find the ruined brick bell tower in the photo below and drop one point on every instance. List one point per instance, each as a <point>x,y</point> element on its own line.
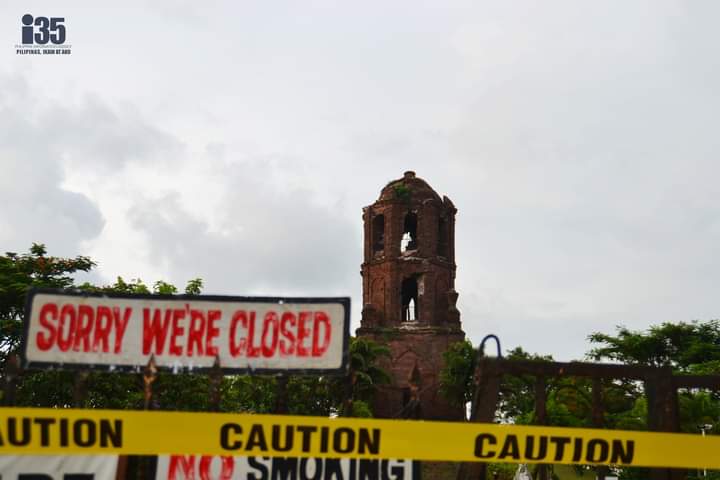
<point>409,296</point>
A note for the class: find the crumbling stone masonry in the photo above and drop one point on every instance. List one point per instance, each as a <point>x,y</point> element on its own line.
<point>409,296</point>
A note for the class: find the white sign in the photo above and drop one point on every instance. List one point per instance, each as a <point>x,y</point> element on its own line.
<point>53,467</point>
<point>259,334</point>
<point>190,467</point>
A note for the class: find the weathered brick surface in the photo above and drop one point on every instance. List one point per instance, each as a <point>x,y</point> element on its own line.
<point>417,346</point>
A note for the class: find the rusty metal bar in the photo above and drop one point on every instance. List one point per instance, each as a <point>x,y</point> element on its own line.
<point>143,465</point>
<point>149,377</point>
<point>574,369</point>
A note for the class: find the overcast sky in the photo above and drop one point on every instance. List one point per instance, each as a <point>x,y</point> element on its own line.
<point>239,141</point>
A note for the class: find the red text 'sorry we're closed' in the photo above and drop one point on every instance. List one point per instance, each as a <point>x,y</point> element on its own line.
<point>243,333</point>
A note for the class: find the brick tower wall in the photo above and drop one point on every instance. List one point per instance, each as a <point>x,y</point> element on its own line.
<point>416,344</point>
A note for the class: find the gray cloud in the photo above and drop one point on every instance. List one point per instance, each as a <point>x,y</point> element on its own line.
<point>34,206</point>
<point>41,139</point>
<point>268,240</point>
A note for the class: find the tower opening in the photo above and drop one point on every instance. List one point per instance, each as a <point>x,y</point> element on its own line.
<point>378,234</point>
<point>409,237</point>
<point>443,238</point>
<point>409,299</point>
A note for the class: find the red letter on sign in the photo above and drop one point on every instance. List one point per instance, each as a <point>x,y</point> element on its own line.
<point>321,319</point>
<point>103,325</point>
<point>45,342</point>
<point>181,467</point>
<point>67,314</point>
<point>303,333</point>
<point>226,471</point>
<point>252,350</point>
<point>195,332</point>
<point>270,325</point>
<point>287,348</point>
<point>212,332</point>
<point>177,331</point>
<point>85,320</point>
<point>120,326</point>
<point>237,345</point>
<point>155,331</point>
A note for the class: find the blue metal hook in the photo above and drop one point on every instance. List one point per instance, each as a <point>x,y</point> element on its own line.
<point>481,348</point>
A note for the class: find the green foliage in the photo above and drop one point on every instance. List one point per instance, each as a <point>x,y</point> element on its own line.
<point>692,347</point>
<point>164,288</point>
<point>402,191</point>
<point>364,376</point>
<point>252,394</point>
<point>361,409</point>
<point>365,371</point>
<point>18,273</point>
<point>456,376</point>
<point>194,287</point>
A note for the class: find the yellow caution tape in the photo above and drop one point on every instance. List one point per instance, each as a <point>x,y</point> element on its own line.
<point>65,431</point>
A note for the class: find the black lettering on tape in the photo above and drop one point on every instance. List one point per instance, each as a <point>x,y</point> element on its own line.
<point>344,444</point>
<point>530,447</point>
<point>83,432</point>
<point>510,448</point>
<point>64,432</point>
<point>560,443</point>
<point>228,430</point>
<point>14,436</point>
<point>84,437</point>
<point>256,439</point>
<point>44,430</point>
<point>598,451</point>
<point>479,445</point>
<point>111,433</point>
<point>306,430</point>
<point>577,452</point>
<point>324,433</point>
<point>622,454</point>
<point>368,444</point>
<point>276,437</point>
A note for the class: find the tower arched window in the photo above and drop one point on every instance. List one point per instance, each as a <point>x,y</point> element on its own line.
<point>409,300</point>
<point>409,238</point>
<point>378,234</point>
